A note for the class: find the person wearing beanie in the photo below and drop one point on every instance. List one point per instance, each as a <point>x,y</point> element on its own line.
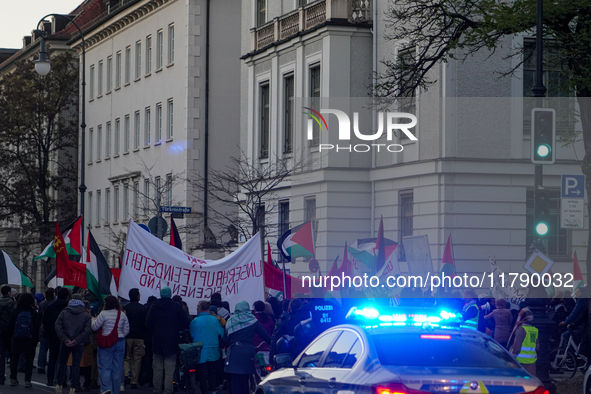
<point>165,320</point>
<point>73,330</point>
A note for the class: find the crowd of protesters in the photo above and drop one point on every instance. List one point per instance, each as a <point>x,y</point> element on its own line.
<point>118,344</point>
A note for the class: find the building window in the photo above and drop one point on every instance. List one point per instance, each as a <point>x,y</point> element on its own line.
<point>148,54</point>
<point>405,216</point>
<point>158,122</point>
<point>108,140</point>
<point>283,224</point>
<point>315,101</point>
<point>264,120</point>
<point>169,189</point>
<point>100,78</point>
<point>99,141</point>
<point>109,73</point>
<point>117,136</point>
<point>408,100</point>
<point>261,12</point>
<point>147,126</point>
<point>146,197</point>
<point>259,221</point>
<point>554,80</point>
<point>159,48</point>
<point>91,83</point>
<point>125,202</point>
<point>118,70</point>
<point>126,134</point>
<point>557,241</point>
<point>288,113</point>
<point>107,205</point>
<point>309,209</point>
<point>136,200</point>
<point>98,207</point>
<point>127,64</point>
<point>136,139</point>
<point>138,59</point>
<point>90,144</point>
<point>116,203</point>
<point>170,120</point>
<point>90,209</point>
<point>158,184</point>
<point>170,43</point>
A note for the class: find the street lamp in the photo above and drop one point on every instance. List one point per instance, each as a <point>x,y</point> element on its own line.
<point>43,66</point>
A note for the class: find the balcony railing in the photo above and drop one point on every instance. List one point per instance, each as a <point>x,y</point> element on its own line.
<point>308,17</point>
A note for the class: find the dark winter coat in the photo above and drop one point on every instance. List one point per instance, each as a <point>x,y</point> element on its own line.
<point>6,308</point>
<point>166,319</point>
<point>28,345</point>
<point>268,324</point>
<point>241,350</point>
<point>74,324</point>
<point>136,314</point>
<point>50,317</point>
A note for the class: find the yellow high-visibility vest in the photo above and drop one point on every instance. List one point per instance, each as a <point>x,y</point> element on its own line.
<point>527,354</point>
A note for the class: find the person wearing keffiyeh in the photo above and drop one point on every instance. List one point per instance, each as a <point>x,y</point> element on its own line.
<point>240,330</point>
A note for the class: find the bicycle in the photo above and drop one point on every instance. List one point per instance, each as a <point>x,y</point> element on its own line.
<point>189,358</point>
<point>566,361</point>
<point>262,368</point>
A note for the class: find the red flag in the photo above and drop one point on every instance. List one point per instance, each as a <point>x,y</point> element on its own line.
<point>274,280</point>
<point>175,238</point>
<point>345,267</point>
<point>116,272</point>
<point>448,258</point>
<point>73,273</point>
<point>576,269</point>
<point>269,259</point>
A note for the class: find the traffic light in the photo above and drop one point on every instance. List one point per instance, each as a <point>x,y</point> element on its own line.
<point>543,135</point>
<point>542,213</point>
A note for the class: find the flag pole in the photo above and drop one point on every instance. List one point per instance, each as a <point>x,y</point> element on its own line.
<point>284,281</point>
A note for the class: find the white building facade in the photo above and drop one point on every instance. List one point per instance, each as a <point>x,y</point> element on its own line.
<point>468,175</point>
<point>147,111</point>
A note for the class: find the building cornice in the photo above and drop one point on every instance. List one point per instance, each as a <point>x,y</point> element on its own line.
<point>112,23</point>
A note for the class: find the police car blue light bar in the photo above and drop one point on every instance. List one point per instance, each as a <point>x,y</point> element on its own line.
<point>402,317</point>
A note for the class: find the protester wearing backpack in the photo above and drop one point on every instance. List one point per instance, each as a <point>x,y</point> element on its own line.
<point>73,329</point>
<point>6,307</point>
<point>24,323</point>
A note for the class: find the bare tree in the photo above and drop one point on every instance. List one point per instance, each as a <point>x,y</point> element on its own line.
<point>242,194</point>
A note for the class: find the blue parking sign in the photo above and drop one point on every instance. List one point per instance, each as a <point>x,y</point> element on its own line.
<point>573,186</point>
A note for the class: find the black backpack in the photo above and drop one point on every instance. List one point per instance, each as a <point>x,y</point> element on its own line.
<point>23,329</point>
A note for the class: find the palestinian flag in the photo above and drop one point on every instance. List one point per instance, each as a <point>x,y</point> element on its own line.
<point>10,274</point>
<point>366,251</point>
<point>71,236</point>
<point>175,238</point>
<point>447,261</point>
<point>297,242</point>
<point>577,276</point>
<point>99,277</point>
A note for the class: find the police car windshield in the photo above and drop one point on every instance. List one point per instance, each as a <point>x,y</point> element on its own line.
<point>416,349</point>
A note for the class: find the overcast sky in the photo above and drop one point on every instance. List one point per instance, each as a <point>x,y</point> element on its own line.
<point>19,17</point>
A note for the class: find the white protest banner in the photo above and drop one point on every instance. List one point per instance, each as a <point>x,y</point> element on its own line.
<point>514,296</point>
<point>150,264</point>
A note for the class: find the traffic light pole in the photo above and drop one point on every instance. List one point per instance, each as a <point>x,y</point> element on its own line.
<point>537,296</point>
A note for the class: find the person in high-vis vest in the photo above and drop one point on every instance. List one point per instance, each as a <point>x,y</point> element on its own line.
<point>525,341</point>
<point>470,311</point>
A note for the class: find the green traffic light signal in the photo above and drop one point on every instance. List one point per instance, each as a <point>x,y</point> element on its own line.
<point>542,229</point>
<point>543,150</point>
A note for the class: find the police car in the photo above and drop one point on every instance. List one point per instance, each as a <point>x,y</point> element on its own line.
<point>398,352</point>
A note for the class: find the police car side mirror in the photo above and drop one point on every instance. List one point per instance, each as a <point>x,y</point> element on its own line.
<point>283,360</point>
